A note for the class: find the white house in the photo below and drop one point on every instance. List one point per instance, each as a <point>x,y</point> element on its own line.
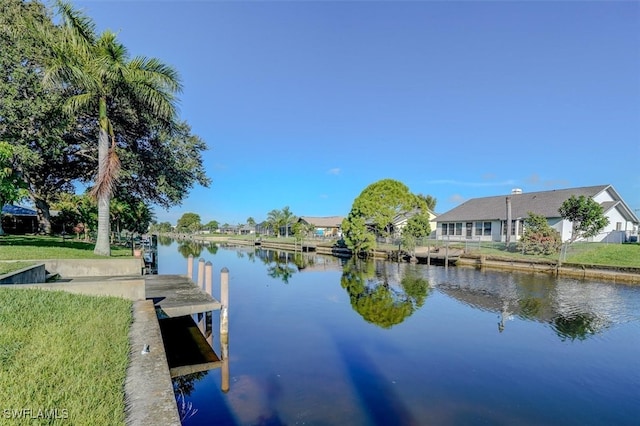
<point>400,221</point>
<point>485,218</point>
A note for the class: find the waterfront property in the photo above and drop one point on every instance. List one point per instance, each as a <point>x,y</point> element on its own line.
<point>327,226</point>
<point>323,340</point>
<point>485,218</point>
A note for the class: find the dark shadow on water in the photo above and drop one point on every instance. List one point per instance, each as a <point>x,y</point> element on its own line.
<point>379,399</point>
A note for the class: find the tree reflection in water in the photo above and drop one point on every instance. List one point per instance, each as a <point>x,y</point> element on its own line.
<point>378,302</point>
<point>164,240</point>
<point>578,326</point>
<point>186,248</point>
<point>183,386</point>
<point>280,264</point>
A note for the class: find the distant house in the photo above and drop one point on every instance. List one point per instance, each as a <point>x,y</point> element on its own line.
<point>237,229</point>
<point>328,226</point>
<point>400,221</point>
<point>19,220</point>
<point>485,218</point>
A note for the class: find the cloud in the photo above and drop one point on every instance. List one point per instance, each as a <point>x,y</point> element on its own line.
<point>534,180</point>
<point>334,171</point>
<point>489,176</point>
<point>219,166</point>
<point>456,198</point>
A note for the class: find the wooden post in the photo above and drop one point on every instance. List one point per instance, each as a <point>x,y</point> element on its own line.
<point>507,238</point>
<point>224,301</point>
<point>208,278</point>
<point>201,273</point>
<point>190,267</point>
<point>446,253</point>
<point>224,350</point>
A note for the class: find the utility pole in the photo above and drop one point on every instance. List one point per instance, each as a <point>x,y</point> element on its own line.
<point>508,224</point>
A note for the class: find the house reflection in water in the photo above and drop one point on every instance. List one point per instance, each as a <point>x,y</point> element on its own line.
<point>573,309</point>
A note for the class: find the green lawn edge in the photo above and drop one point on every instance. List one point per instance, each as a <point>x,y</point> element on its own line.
<point>63,357</point>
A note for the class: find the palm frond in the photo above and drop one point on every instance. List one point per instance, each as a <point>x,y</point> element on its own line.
<point>107,178</point>
<point>155,70</point>
<point>80,102</point>
<point>77,23</point>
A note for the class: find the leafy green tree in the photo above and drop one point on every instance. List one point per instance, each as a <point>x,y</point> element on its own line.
<point>356,235</point>
<point>159,164</point>
<point>211,226</point>
<point>138,217</point>
<point>302,230</point>
<point>99,68</point>
<point>251,221</point>
<point>11,184</point>
<point>429,201</point>
<point>31,116</point>
<point>586,216</point>
<point>373,212</point>
<point>78,213</point>
<point>189,222</point>
<point>538,237</point>
<point>417,227</point>
<point>162,227</point>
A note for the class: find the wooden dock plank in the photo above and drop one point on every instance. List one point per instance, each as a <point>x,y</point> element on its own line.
<point>178,295</point>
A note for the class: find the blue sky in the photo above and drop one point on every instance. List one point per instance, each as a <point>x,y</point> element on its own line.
<point>305,103</point>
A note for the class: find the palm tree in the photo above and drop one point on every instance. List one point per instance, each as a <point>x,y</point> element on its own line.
<point>287,218</point>
<point>275,220</point>
<point>98,68</point>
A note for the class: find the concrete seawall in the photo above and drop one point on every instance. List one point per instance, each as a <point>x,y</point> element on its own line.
<point>70,268</point>
<point>31,274</point>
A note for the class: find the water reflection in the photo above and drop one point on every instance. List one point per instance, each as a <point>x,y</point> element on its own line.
<point>573,309</point>
<point>374,296</point>
<point>302,355</point>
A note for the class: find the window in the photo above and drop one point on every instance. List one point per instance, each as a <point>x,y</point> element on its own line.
<point>479,228</point>
<point>618,226</point>
<point>459,228</point>
<point>487,228</point>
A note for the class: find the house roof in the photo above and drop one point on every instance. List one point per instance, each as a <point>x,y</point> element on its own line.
<point>545,203</point>
<point>324,222</point>
<point>17,210</point>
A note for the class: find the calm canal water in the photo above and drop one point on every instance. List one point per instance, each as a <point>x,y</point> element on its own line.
<point>317,340</point>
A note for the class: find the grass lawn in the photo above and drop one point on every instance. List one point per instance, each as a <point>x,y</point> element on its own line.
<point>21,247</point>
<point>6,267</point>
<point>63,352</point>
<point>624,255</point>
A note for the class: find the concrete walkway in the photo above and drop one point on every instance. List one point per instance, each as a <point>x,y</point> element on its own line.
<point>149,393</point>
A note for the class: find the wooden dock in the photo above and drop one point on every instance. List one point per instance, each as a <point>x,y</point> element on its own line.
<point>178,295</point>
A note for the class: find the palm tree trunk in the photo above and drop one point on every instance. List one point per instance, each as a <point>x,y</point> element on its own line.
<point>104,225</point>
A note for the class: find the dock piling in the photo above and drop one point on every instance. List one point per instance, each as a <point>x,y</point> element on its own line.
<point>224,301</point>
<point>208,278</point>
<point>190,267</point>
<point>201,273</point>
